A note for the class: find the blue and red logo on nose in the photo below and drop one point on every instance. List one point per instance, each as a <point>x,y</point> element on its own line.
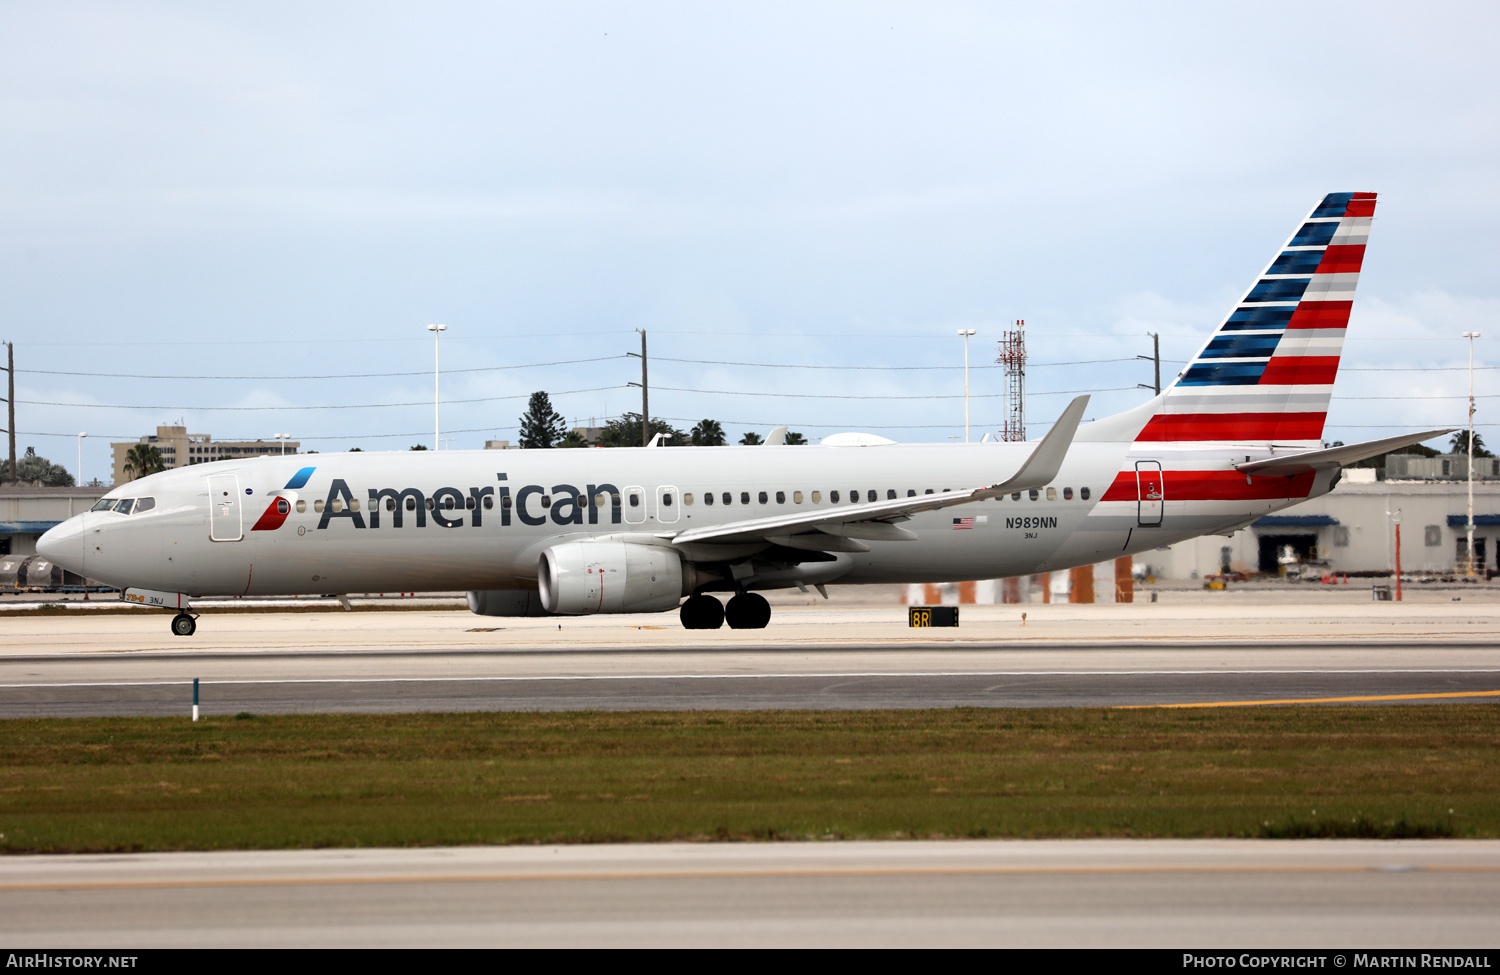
<point>276,512</point>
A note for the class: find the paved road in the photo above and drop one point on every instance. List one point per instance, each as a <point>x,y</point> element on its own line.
<point>1170,893</point>
<point>850,677</point>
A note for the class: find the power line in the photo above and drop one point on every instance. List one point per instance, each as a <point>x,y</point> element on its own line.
<point>283,409</point>
<point>352,375</point>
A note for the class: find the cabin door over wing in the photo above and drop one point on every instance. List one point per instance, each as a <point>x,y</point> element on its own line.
<point>1151,492</point>
<point>226,520</point>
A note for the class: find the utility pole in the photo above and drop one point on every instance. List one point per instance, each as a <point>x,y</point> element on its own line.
<point>1155,357</point>
<point>10,402</point>
<point>645,393</point>
<point>1471,336</point>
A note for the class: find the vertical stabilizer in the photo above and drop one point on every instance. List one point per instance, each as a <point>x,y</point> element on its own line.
<point>1266,374</point>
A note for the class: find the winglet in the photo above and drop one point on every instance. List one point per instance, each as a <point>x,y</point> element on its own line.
<point>775,438</point>
<point>1045,461</point>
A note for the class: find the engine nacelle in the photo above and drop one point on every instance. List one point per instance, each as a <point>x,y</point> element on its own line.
<point>581,578</point>
<point>506,602</point>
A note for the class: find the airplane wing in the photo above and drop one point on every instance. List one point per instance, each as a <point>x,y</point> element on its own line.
<point>1312,460</point>
<point>876,520</point>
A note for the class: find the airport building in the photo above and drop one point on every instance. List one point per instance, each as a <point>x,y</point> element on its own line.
<point>178,448</point>
<point>1353,529</point>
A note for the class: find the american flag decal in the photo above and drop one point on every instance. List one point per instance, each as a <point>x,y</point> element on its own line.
<point>959,524</point>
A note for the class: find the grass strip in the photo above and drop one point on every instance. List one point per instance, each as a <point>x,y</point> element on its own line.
<point>127,784</point>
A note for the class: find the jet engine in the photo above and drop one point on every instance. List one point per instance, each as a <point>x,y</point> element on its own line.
<point>581,578</point>
<point>506,602</point>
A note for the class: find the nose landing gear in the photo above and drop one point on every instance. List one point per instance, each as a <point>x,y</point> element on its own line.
<point>184,625</point>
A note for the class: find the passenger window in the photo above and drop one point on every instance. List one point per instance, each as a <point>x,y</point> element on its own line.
<point>727,498</point>
<point>282,508</point>
<point>338,505</point>
<point>1016,496</point>
<point>762,498</point>
<point>870,496</point>
<point>635,500</point>
<point>447,502</point>
<point>911,492</point>
<point>687,499</point>
<point>889,495</point>
<point>1083,493</point>
<point>354,504</point>
<point>781,497</point>
<point>546,501</point>
<point>744,497</point>
<point>469,502</point>
<point>301,507</point>
<point>1033,493</point>
<point>796,497</point>
<point>600,500</point>
<point>708,497</point>
<point>817,497</point>
<point>1067,494</point>
<point>666,500</point>
<point>390,504</point>
<point>411,503</point>
<point>430,505</point>
<point>489,502</point>
<point>145,504</point>
<point>929,491</point>
<point>504,502</point>
<point>1052,494</point>
<point>318,507</point>
<point>833,497</point>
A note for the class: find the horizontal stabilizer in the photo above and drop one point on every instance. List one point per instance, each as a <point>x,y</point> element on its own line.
<point>1312,460</point>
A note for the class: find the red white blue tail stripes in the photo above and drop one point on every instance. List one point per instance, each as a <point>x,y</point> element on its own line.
<point>1266,375</point>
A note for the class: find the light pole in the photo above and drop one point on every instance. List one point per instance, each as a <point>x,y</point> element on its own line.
<point>1471,336</point>
<point>435,330</point>
<point>80,458</point>
<point>966,332</point>
<point>283,437</point>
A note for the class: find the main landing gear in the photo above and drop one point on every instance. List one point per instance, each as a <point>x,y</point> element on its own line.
<point>746,611</point>
<point>184,625</point>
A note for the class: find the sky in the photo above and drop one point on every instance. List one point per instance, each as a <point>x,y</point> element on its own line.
<point>243,217</point>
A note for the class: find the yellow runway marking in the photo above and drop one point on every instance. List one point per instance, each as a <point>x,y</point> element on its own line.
<point>1314,700</point>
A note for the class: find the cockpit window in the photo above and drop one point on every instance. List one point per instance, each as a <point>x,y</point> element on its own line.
<point>124,506</point>
<point>145,504</point>
<point>105,504</point>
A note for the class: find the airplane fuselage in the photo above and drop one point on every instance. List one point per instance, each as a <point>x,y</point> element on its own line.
<point>478,520</point>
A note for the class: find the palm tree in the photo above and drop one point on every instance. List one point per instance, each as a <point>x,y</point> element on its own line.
<point>751,439</point>
<point>141,460</point>
<point>708,433</point>
<point>1460,444</point>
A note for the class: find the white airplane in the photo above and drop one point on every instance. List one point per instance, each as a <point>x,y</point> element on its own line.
<point>1236,436</point>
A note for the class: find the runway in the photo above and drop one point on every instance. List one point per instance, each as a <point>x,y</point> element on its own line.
<point>90,664</point>
<point>1093,893</point>
<point>705,691</point>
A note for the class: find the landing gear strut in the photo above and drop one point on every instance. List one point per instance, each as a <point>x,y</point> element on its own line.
<point>702,612</point>
<point>748,611</point>
<point>183,624</point>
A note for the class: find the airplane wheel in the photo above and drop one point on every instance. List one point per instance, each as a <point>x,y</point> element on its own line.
<point>702,612</point>
<point>184,625</point>
<point>748,611</point>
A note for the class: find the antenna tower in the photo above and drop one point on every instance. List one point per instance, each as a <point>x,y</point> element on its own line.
<point>1013,357</point>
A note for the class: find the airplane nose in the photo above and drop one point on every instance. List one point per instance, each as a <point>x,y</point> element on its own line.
<point>63,544</point>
